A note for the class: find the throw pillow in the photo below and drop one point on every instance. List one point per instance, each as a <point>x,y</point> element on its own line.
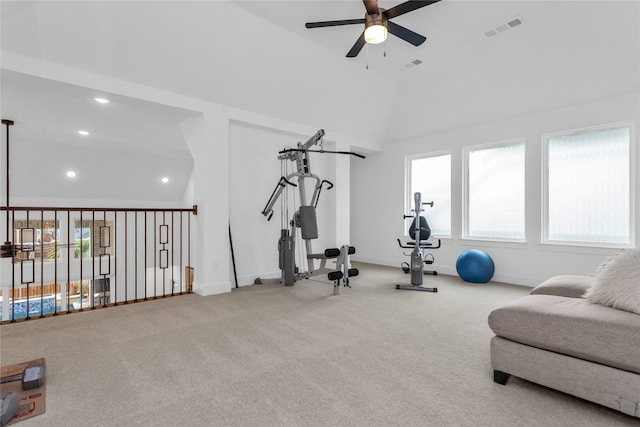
<point>618,282</point>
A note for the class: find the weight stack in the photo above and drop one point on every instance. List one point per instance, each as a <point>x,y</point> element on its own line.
<point>287,261</point>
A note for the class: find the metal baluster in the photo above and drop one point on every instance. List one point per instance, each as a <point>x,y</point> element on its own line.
<point>145,255</point>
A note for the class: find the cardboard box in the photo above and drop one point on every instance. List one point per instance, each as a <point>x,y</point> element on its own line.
<point>32,402</point>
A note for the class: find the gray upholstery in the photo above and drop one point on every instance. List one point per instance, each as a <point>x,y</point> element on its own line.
<point>572,326</point>
<point>614,388</point>
<point>556,338</point>
<point>571,286</point>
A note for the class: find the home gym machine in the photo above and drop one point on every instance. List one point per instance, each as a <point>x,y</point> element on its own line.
<point>420,231</point>
<point>305,220</point>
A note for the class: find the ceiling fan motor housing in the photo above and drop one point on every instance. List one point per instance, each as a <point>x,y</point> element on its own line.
<point>373,20</point>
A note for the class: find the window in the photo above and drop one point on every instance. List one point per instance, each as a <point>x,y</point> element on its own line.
<point>588,186</point>
<point>93,238</point>
<point>36,239</point>
<point>494,191</point>
<point>431,176</point>
<point>82,238</point>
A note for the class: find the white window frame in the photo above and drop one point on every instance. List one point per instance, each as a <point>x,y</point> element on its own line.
<point>408,197</point>
<point>465,189</point>
<point>544,238</point>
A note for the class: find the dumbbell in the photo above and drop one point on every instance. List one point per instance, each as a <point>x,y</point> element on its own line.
<point>32,377</point>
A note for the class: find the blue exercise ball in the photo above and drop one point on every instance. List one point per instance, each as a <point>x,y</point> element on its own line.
<point>475,266</point>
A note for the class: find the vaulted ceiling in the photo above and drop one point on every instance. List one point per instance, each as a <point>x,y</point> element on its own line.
<point>258,56</point>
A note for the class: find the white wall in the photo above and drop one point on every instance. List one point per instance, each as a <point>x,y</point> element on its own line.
<point>233,148</point>
<point>223,183</point>
<point>378,198</point>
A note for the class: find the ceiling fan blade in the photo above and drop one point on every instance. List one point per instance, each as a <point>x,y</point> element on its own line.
<point>334,23</point>
<point>405,7</point>
<point>372,7</point>
<point>406,34</point>
<point>357,47</point>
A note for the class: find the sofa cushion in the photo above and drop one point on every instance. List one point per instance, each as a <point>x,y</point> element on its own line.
<point>618,282</point>
<point>565,286</point>
<point>572,326</point>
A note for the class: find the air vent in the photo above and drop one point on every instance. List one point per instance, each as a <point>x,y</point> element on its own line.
<point>410,64</point>
<point>503,27</point>
<point>515,22</point>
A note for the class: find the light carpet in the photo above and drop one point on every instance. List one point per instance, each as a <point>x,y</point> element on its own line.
<point>270,355</point>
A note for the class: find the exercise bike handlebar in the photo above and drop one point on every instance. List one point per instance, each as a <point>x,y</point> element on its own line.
<point>420,210</point>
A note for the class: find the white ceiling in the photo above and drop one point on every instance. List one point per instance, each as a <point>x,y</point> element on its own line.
<point>45,143</point>
<point>258,56</point>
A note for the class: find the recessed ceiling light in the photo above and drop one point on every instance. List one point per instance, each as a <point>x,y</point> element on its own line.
<point>71,174</point>
<point>83,132</point>
<point>165,180</point>
<point>101,100</point>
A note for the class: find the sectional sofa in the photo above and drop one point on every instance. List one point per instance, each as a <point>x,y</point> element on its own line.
<point>576,334</point>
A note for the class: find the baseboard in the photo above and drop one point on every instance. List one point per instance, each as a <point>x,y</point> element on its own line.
<point>247,280</point>
<point>516,280</point>
<point>451,271</point>
<point>206,289</point>
<point>377,261</point>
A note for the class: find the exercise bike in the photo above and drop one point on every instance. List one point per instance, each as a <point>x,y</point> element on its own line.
<point>420,231</point>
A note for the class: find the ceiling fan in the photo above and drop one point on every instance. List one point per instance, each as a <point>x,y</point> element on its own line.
<point>377,22</point>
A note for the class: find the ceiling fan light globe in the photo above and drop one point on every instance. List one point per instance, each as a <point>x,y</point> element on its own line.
<point>375,34</point>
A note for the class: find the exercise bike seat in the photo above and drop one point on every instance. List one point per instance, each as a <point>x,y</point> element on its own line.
<point>423,245</point>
